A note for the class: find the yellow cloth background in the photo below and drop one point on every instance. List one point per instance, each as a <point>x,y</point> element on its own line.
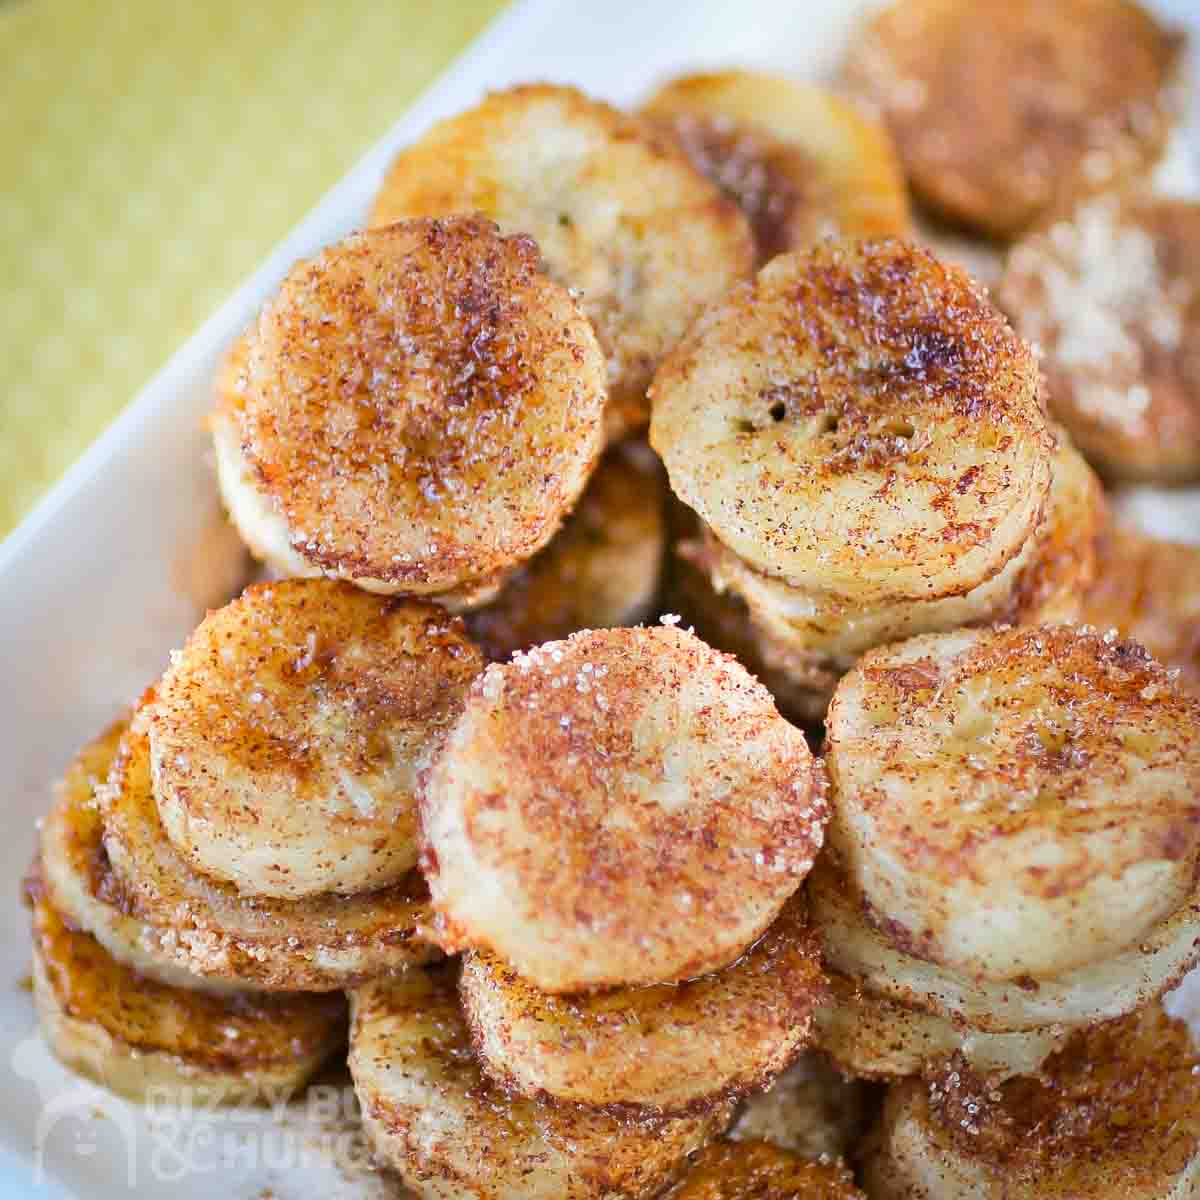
<point>152,152</point>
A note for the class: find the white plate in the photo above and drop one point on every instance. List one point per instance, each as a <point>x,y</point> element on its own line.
<point>93,593</point>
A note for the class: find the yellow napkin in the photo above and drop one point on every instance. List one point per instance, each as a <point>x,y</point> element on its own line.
<point>151,153</point>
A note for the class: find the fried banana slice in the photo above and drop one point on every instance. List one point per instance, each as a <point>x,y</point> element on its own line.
<point>623,807</point>
<point>812,1109</point>
<point>1113,299</point>
<point>433,1117</point>
<point>1007,111</point>
<point>74,872</point>
<point>600,571</point>
<point>619,214</point>
<point>142,1039</point>
<point>1149,590</point>
<point>872,1037</point>
<point>287,735</point>
<point>1114,1115</point>
<point>672,1048</point>
<point>860,423</point>
<point>760,1171</point>
<point>819,636</point>
<point>801,163</point>
<point>420,408</point>
<point>314,944</point>
<point>1101,991</point>
<point>1015,803</point>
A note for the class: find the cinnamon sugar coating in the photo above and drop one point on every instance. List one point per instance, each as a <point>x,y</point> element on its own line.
<point>619,214</point>
<point>317,943</point>
<point>759,1171</point>
<point>422,407</point>
<point>1008,111</point>
<point>860,422</point>
<point>594,783</point>
<point>801,163</point>
<point>1112,297</point>
<point>287,735</point>
<point>669,1048</point>
<point>1114,1114</point>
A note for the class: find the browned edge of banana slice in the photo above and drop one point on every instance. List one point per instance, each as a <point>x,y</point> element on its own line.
<point>422,407</point>
<point>801,162</point>
<point>319,943</point>
<point>1007,111</point>
<point>619,215</point>
<point>667,1049</point>
<point>434,1117</point>
<point>755,1170</point>
<point>143,1039</point>
<point>1114,1115</point>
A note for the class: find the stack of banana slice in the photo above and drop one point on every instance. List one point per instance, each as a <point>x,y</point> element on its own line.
<point>608,929</point>
<point>863,438</point>
<point>1016,825</point>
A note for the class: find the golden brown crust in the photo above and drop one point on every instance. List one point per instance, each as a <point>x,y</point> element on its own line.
<point>435,1118</point>
<point>1017,802</point>
<point>601,570</point>
<point>240,1038</point>
<point>1149,590</point>
<point>287,735</point>
<point>422,406</point>
<point>594,784</point>
<point>617,211</point>
<point>870,1036</point>
<point>1113,299</point>
<point>672,1048</point>
<point>801,163</point>
<point>1115,1114</point>
<point>759,1171</point>
<point>77,879</point>
<point>811,640</point>
<point>862,946</point>
<point>318,943</point>
<point>858,421</point>
<point>1004,111</point>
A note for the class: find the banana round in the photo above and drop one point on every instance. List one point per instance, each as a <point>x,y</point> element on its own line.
<point>673,1048</point>
<point>801,163</point>
<point>314,944</point>
<point>871,1037</point>
<point>623,807</point>
<point>287,735</point>
<point>1015,803</point>
<point>145,1040</point>
<point>419,409</point>
<point>619,215</point>
<point>860,423</point>
<point>79,884</point>
<point>759,1171</point>
<point>1099,991</point>
<point>1044,582</point>
<point>600,571</point>
<point>1111,297</point>
<point>1115,1115</point>
<point>1008,111</point>
<point>435,1120</point>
